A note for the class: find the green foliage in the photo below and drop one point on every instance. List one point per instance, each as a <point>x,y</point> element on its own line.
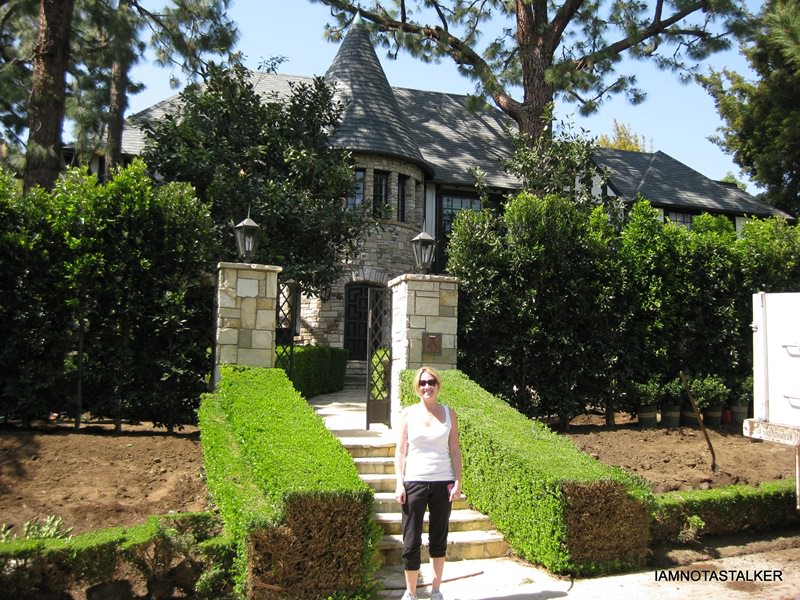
<point>708,391</point>
<point>538,303</point>
<point>276,474</point>
<point>558,310</point>
<point>106,310</point>
<point>273,157</point>
<point>559,159</point>
<point>624,138</point>
<point>316,369</point>
<point>46,567</point>
<point>723,511</point>
<point>760,118</point>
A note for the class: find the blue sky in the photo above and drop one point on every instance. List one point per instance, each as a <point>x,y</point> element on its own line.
<point>675,118</point>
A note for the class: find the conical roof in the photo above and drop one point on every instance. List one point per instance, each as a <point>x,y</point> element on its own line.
<point>372,121</point>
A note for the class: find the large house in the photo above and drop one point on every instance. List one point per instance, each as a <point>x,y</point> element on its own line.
<point>414,151</point>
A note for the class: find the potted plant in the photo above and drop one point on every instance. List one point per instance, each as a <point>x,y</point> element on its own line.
<point>710,394</point>
<point>647,397</point>
<point>671,403</point>
<point>741,398</point>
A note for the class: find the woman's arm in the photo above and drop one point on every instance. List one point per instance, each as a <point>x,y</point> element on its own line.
<point>400,453</point>
<point>455,455</point>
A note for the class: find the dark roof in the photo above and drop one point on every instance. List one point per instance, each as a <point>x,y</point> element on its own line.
<point>454,138</point>
<point>668,183</point>
<point>372,121</point>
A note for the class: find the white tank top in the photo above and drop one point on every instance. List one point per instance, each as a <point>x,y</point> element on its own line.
<point>428,456</point>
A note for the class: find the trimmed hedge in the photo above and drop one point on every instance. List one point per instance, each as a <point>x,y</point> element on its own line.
<point>722,511</point>
<point>168,551</point>
<point>287,490</point>
<point>317,369</point>
<point>556,505</point>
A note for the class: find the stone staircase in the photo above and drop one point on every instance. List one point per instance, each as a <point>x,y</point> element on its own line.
<point>472,535</point>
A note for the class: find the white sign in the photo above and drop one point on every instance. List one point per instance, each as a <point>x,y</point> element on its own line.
<point>776,373</point>
<point>776,358</point>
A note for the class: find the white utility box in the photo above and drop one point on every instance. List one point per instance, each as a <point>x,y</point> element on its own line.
<point>776,372</point>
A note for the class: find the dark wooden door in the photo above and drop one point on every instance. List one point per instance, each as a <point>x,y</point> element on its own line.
<point>356,311</point>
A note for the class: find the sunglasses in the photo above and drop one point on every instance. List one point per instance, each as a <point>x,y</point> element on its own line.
<point>430,382</point>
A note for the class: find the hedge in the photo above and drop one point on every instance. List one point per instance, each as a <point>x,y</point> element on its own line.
<point>287,490</point>
<point>683,515</point>
<point>556,505</point>
<point>173,551</point>
<point>316,369</point>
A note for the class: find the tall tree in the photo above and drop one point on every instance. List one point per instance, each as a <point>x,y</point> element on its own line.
<point>271,157</point>
<point>48,91</point>
<point>762,118</point>
<point>93,44</point>
<point>569,50</point>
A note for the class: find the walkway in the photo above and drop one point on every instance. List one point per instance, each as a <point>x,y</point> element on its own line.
<point>769,575</point>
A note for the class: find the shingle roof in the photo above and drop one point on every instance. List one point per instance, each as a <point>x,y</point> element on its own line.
<point>454,138</point>
<point>372,121</point>
<point>668,183</point>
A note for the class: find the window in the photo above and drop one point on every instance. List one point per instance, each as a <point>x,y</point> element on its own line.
<point>380,195</point>
<point>451,204</point>
<point>358,193</point>
<point>680,218</point>
<point>402,187</point>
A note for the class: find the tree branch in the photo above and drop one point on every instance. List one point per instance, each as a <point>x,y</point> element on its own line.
<point>632,40</point>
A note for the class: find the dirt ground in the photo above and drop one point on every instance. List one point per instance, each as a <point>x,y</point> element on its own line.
<point>679,458</point>
<point>94,478</point>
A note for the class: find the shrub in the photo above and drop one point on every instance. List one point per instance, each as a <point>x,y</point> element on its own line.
<point>708,391</point>
<point>315,369</point>
<point>287,490</point>
<point>723,511</point>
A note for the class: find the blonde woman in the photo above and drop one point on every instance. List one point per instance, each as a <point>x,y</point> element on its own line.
<point>428,466</point>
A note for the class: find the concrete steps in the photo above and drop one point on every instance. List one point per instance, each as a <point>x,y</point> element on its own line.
<point>472,535</point>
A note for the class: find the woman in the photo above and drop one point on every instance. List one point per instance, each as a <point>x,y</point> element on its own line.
<point>428,466</point>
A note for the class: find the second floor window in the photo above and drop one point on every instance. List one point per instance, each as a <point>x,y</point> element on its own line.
<point>380,195</point>
<point>402,190</point>
<point>358,193</point>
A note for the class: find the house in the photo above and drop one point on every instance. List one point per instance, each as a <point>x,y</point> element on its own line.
<point>414,150</point>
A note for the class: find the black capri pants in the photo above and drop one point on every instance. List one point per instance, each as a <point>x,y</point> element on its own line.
<point>435,497</point>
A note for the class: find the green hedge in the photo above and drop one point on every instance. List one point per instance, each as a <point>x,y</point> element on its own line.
<point>556,505</point>
<point>171,551</point>
<point>683,516</point>
<point>317,369</point>
<point>287,490</point>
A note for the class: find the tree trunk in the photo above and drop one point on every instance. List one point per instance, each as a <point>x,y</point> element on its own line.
<point>118,102</point>
<point>536,58</point>
<point>48,91</point>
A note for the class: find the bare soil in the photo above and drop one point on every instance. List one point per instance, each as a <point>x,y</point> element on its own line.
<point>94,478</point>
<point>680,458</point>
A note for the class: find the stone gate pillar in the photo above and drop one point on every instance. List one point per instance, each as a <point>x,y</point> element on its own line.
<point>424,326</point>
<point>245,315</point>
